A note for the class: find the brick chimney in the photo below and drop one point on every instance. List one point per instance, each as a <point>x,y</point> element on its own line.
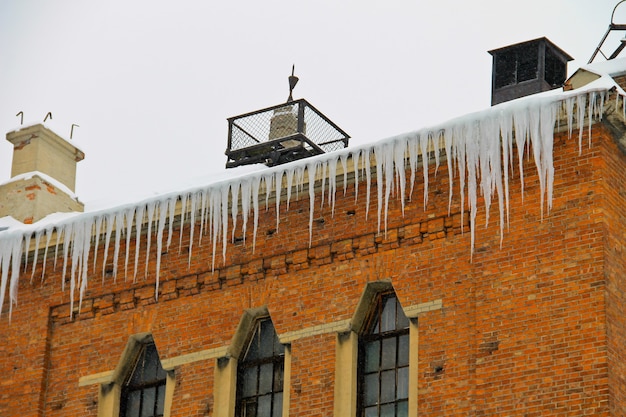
<point>43,175</point>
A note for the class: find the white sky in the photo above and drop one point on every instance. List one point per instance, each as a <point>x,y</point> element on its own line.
<point>151,82</point>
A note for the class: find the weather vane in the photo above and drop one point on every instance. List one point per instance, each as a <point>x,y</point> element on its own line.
<point>293,80</point>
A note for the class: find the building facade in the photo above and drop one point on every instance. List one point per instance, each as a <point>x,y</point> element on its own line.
<point>416,276</point>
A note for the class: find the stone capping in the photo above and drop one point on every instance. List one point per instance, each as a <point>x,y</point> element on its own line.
<point>340,326</point>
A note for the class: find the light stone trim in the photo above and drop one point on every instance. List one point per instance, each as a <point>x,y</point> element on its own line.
<point>99,378</point>
<point>340,326</point>
<point>171,363</point>
<point>416,310</point>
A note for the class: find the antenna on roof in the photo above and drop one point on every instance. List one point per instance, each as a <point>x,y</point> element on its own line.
<point>293,80</point>
<point>21,114</point>
<point>72,130</point>
<point>612,26</point>
<point>48,115</point>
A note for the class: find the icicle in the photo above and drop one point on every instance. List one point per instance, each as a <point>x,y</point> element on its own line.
<point>312,170</point>
<point>38,234</point>
<point>413,151</point>
<point>506,132</point>
<point>256,184</point>
<point>139,217</point>
<point>151,207</point>
<point>119,229</point>
<point>332,184</point>
<point>279,187</point>
<point>183,203</point>
<point>344,166</point>
<point>447,138</point>
<point>423,138</point>
<point>192,223</point>
<point>224,211</point>
<point>368,179</point>
<point>97,233</point>
<point>581,106</point>
<point>399,162</point>
<point>357,168</point>
<point>163,213</point>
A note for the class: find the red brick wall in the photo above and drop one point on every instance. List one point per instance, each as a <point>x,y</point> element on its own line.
<point>529,328</point>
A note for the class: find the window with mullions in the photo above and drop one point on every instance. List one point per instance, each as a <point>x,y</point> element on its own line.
<point>143,394</point>
<point>260,374</point>
<point>384,361</point>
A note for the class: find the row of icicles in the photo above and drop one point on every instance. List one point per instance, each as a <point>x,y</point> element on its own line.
<point>473,148</point>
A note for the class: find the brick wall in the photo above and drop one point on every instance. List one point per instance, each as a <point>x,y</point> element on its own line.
<point>532,326</point>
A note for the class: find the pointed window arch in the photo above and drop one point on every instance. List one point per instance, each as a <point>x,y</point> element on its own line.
<point>260,374</point>
<point>383,372</point>
<point>143,393</point>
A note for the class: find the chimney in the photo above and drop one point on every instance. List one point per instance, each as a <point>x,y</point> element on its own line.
<point>527,68</point>
<point>43,175</point>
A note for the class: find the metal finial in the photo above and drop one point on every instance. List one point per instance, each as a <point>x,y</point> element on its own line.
<point>48,115</point>
<point>21,114</point>
<point>293,80</point>
<point>72,130</point>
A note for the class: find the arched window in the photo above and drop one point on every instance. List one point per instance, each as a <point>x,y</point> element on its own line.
<point>260,374</point>
<point>383,371</point>
<point>143,393</point>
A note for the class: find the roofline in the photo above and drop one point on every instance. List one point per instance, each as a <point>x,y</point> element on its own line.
<point>565,54</point>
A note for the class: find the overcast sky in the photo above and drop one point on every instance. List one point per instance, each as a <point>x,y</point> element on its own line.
<point>151,82</point>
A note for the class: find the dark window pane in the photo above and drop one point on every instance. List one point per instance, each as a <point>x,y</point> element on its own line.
<point>277,409</point>
<point>250,382</point>
<point>265,406</point>
<point>160,400</point>
<point>372,356</point>
<point>249,409</point>
<point>149,394</point>
<point>403,321</point>
<point>403,409</point>
<point>266,375</point>
<point>371,412</point>
<point>403,350</point>
<point>388,315</point>
<point>266,348</point>
<point>388,410</point>
<point>387,386</point>
<point>370,389</point>
<point>279,373</point>
<point>403,383</point>
<point>133,404</point>
<point>388,359</point>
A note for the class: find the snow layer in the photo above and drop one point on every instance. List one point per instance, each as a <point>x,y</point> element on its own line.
<point>478,150</point>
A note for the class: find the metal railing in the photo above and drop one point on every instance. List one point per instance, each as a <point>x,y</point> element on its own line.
<point>281,133</point>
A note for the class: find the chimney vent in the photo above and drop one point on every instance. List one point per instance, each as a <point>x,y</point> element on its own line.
<point>527,68</point>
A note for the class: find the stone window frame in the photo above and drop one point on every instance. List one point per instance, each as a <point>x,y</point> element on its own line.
<point>109,397</point>
<point>225,379</point>
<point>347,351</point>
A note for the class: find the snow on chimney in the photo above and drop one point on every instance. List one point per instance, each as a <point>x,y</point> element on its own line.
<point>43,175</point>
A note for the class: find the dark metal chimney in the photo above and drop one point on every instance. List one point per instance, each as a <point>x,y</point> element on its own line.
<point>527,68</point>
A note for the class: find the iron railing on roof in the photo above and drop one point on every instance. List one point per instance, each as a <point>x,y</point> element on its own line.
<point>280,134</point>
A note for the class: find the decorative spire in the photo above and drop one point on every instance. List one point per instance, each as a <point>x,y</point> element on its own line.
<point>293,80</point>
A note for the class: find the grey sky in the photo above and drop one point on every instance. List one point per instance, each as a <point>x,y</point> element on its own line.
<point>151,83</point>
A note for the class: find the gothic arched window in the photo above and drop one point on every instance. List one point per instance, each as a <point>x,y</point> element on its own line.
<point>143,393</point>
<point>260,374</point>
<point>384,360</point>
